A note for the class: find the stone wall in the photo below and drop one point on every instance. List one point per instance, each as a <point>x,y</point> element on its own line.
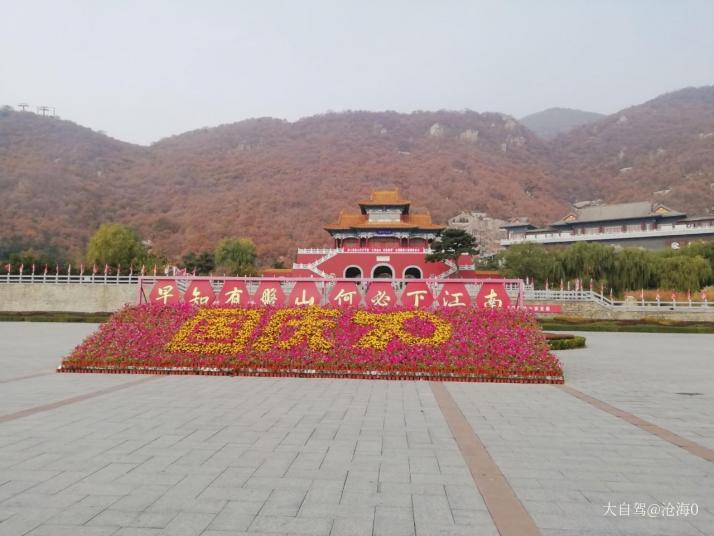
<point>63,297</point>
<point>597,311</point>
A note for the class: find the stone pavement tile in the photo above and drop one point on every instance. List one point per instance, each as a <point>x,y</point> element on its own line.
<point>324,493</point>
<point>291,525</point>
<point>336,511</point>
<point>113,518</point>
<point>639,526</point>
<point>178,503</point>
<point>154,520</point>
<point>352,526</point>
<point>464,497</point>
<point>261,483</point>
<point>233,477</point>
<point>11,488</point>
<point>188,524</point>
<point>41,500</point>
<point>235,494</point>
<point>235,516</point>
<point>75,515</point>
<point>393,521</point>
<point>283,503</point>
<point>362,481</point>
<point>140,499</point>
<point>24,520</point>
<point>60,530</point>
<point>138,531</point>
<point>60,481</point>
<point>607,460</point>
<point>374,499</point>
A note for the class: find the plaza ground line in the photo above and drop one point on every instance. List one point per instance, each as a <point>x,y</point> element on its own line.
<point>72,400</point>
<point>506,510</point>
<point>10,380</point>
<point>669,436</point>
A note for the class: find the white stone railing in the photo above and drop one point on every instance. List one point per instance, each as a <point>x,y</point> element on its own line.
<point>556,237</point>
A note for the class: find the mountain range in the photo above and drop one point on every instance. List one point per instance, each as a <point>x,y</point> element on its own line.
<point>280,182</point>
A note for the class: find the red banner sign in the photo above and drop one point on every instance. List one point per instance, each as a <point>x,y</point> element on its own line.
<point>345,294</point>
<point>417,294</point>
<point>234,294</point>
<point>380,295</point>
<point>305,294</point>
<point>165,292</point>
<point>492,295</point>
<point>453,295</point>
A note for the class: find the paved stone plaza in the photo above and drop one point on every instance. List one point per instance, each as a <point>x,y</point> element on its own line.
<point>94,455</point>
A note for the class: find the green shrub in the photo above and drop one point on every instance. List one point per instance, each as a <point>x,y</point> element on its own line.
<point>567,342</point>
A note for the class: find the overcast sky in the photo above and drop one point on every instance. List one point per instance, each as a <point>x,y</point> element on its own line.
<point>142,70</point>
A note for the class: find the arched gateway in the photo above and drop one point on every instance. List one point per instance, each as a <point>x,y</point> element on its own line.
<point>384,239</point>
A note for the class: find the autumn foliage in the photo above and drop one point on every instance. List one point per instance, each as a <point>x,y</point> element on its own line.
<point>277,183</point>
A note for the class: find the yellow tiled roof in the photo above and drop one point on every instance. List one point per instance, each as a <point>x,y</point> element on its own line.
<point>385,197</point>
<point>352,220</point>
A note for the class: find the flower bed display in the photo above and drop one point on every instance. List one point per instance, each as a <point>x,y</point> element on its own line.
<point>466,344</point>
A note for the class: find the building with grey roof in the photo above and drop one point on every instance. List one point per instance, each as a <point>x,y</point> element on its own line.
<point>639,224</point>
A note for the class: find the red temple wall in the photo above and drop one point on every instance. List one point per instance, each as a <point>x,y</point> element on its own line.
<point>366,261</point>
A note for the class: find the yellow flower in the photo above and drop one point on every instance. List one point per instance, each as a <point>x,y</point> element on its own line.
<point>214,331</point>
<point>388,326</point>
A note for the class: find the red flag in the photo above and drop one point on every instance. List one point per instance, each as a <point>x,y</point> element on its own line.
<point>674,296</point>
<point>657,296</point>
<point>106,269</point>
<point>22,268</point>
<point>704,295</point>
<point>94,269</point>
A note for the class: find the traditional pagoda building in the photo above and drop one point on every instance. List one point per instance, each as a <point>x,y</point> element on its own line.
<point>385,239</point>
<point>384,221</point>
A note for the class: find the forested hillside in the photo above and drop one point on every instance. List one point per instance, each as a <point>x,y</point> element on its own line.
<point>279,182</point>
